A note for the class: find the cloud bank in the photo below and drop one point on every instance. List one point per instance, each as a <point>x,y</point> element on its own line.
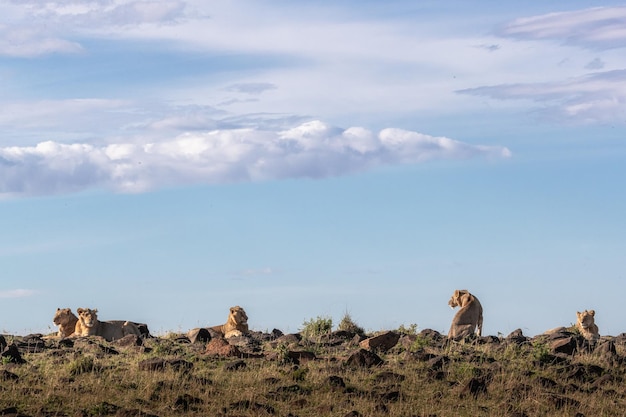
<point>310,150</point>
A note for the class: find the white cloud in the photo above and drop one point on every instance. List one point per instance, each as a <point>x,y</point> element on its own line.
<point>42,27</point>
<point>312,150</point>
<point>17,293</point>
<point>599,27</point>
<point>597,97</point>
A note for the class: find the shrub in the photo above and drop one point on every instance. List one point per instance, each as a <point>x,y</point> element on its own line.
<point>410,330</point>
<point>317,327</point>
<point>348,325</point>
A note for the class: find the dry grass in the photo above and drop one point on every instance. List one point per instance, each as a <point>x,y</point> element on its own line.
<point>420,376</point>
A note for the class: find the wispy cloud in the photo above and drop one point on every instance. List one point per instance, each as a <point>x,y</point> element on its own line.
<point>599,27</point>
<point>597,97</point>
<point>310,150</point>
<point>250,88</point>
<point>38,28</point>
<point>17,293</point>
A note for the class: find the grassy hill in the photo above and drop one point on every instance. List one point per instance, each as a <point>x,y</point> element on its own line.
<point>328,374</point>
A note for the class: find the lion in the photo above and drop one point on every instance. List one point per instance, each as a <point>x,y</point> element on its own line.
<point>586,325</point>
<point>89,325</point>
<point>469,318</point>
<point>236,325</point>
<point>66,320</point>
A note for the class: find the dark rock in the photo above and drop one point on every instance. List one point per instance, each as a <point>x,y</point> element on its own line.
<point>12,354</point>
<point>220,347</point>
<point>3,343</point>
<point>158,364</point>
<point>566,345</point>
<point>8,376</point>
<point>560,401</point>
<point>288,339</point>
<point>390,396</point>
<point>517,337</point>
<point>364,358</point>
<point>389,376</point>
<point>185,402</point>
<point>382,342</point>
<point>130,340</point>
<point>489,340</point>
<point>32,343</point>
<point>335,381</point>
<point>180,364</point>
<point>437,363</point>
<point>276,333</point>
<point>353,413</point>
<point>155,364</point>
<point>199,335</point>
<point>301,355</point>
<point>606,348</point>
<point>66,342</point>
<point>585,373</point>
<point>475,387</point>
<point>432,334</point>
<point>547,382</point>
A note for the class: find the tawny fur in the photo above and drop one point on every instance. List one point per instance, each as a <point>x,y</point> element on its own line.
<point>236,324</point>
<point>586,324</point>
<point>89,325</point>
<point>66,320</point>
<point>469,318</point>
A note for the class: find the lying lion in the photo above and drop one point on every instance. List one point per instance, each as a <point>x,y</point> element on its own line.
<point>66,320</point>
<point>586,325</point>
<point>469,318</point>
<point>89,325</point>
<point>236,325</point>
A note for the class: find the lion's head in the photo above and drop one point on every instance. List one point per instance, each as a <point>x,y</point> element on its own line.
<point>64,316</point>
<point>459,298</point>
<point>586,319</point>
<point>237,316</point>
<point>88,317</point>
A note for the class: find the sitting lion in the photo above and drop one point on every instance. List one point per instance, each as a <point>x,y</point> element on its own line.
<point>66,320</point>
<point>89,325</point>
<point>236,325</point>
<point>469,318</point>
<point>586,325</point>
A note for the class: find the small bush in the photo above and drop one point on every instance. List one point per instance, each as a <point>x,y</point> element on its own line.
<point>348,325</point>
<point>317,327</point>
<point>410,330</point>
<point>420,343</point>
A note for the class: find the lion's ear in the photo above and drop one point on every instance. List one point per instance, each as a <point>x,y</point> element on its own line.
<point>95,310</point>
<point>80,310</point>
<point>592,312</point>
<point>457,293</point>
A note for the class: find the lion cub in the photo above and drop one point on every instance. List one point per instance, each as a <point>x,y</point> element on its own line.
<point>586,325</point>
<point>469,318</point>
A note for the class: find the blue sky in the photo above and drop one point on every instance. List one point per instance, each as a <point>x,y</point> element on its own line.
<point>163,161</point>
